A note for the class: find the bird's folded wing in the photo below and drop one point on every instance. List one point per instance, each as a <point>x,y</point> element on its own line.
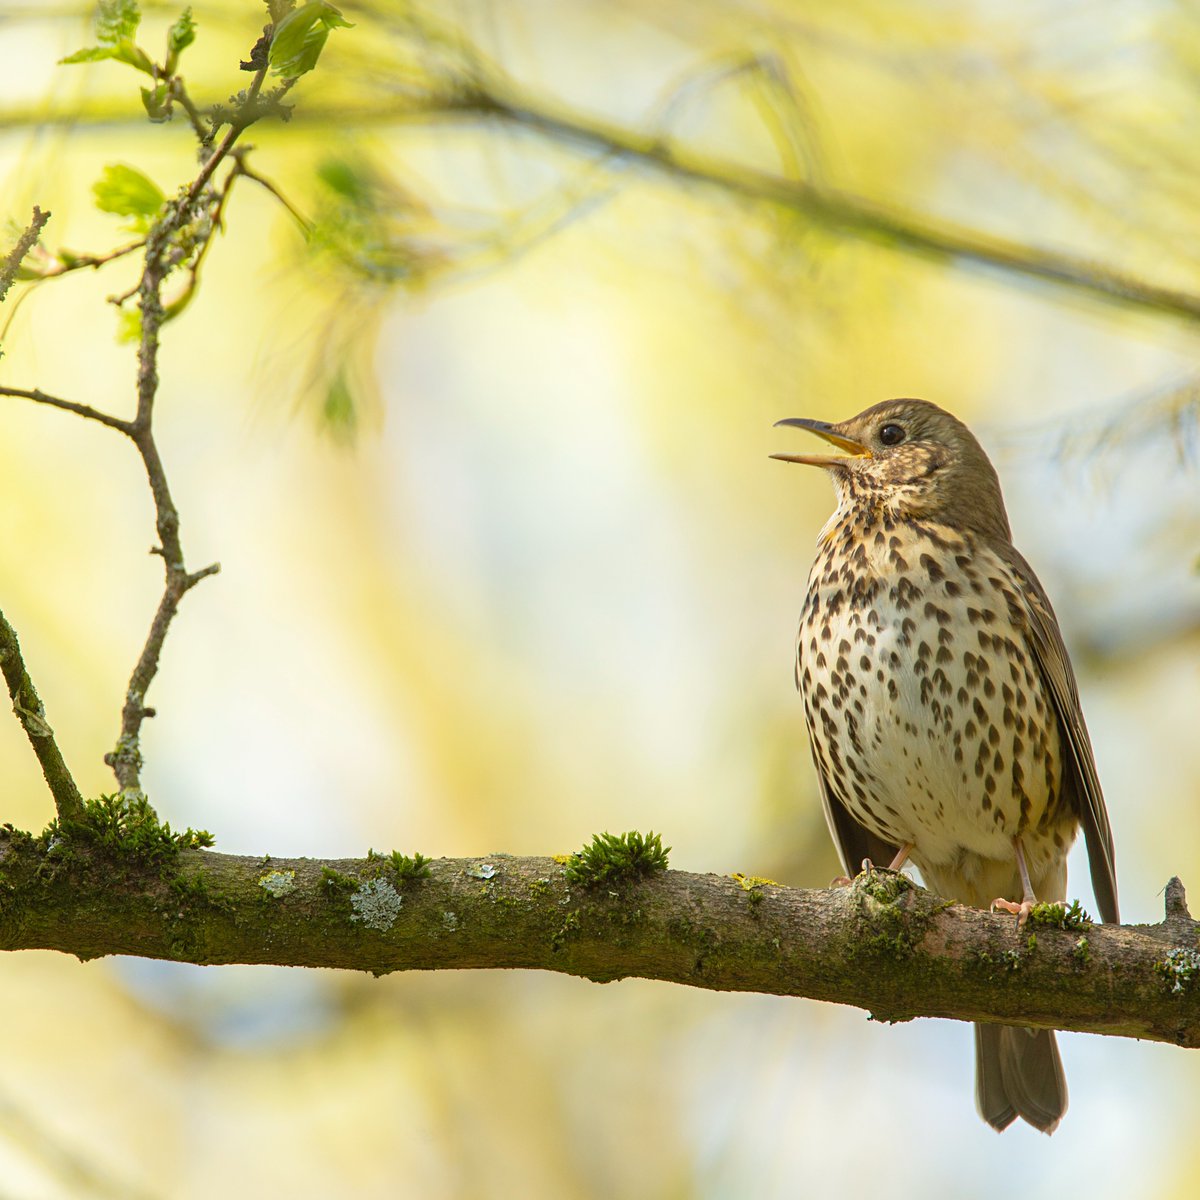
<point>1081,784</point>
<point>853,842</point>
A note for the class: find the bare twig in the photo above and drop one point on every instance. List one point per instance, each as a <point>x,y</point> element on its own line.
<point>26,242</point>
<point>162,256</point>
<point>181,236</point>
<point>195,117</point>
<point>32,715</point>
<point>80,262</point>
<point>82,410</point>
<point>300,219</point>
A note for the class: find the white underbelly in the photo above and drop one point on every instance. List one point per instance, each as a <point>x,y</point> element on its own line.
<point>940,720</point>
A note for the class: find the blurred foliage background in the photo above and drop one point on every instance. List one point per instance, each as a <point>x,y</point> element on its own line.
<point>474,408</point>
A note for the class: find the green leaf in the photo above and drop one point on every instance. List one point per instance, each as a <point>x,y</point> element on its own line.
<point>367,225</point>
<point>300,37</point>
<point>179,37</point>
<point>126,192</point>
<point>117,20</point>
<point>339,412</point>
<point>182,34</point>
<point>116,23</point>
<point>129,325</point>
<point>90,54</point>
<point>129,52</point>
<point>348,180</point>
<point>125,51</point>
<point>157,102</point>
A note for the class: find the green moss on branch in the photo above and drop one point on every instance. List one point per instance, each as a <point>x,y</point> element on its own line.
<point>610,858</point>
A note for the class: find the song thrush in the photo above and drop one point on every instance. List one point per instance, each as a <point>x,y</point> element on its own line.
<point>941,705</point>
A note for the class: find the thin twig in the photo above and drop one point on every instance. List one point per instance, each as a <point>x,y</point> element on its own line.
<point>193,269</point>
<point>300,219</point>
<point>162,256</point>
<point>31,713</point>
<point>26,242</point>
<point>80,262</point>
<point>71,406</point>
<point>180,93</point>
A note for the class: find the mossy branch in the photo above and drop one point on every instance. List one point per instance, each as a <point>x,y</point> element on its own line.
<point>882,944</point>
<point>28,708</point>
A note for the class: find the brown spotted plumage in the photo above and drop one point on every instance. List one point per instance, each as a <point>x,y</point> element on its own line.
<point>941,706</point>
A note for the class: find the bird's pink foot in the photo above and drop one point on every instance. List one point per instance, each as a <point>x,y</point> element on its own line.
<point>1020,911</point>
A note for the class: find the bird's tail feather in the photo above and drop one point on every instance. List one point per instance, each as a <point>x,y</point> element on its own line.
<point>1018,1073</point>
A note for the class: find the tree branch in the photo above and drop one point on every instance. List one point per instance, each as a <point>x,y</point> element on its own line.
<point>163,254</point>
<point>29,710</point>
<point>26,242</point>
<point>881,944</point>
<point>71,406</point>
<point>26,703</point>
<point>93,262</point>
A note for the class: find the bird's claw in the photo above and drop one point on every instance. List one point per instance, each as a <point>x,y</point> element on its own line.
<point>845,881</point>
<point>1020,911</point>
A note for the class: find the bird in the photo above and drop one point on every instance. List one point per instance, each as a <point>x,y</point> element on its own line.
<point>942,709</point>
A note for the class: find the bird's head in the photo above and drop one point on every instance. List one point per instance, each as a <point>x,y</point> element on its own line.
<point>913,459</point>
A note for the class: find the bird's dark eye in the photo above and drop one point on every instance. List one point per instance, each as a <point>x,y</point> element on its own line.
<point>891,435</point>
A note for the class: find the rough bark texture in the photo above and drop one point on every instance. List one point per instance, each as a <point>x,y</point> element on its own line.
<point>881,944</point>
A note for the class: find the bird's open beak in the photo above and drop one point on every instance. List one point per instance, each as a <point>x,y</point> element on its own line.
<point>823,430</point>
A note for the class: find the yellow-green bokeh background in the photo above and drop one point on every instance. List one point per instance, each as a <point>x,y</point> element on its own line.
<point>551,589</point>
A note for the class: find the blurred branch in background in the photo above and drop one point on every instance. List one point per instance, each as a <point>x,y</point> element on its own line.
<point>1126,465</point>
<point>1161,417</point>
<point>838,212</point>
<point>78,1170</point>
<point>413,67</point>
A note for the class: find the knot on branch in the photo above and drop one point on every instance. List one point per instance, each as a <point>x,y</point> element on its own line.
<point>1176,900</point>
<point>125,757</point>
<point>893,912</point>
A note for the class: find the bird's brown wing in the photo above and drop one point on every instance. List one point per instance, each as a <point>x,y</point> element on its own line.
<point>1081,784</point>
<point>853,842</point>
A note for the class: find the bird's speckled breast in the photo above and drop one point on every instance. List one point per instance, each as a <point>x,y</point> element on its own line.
<point>927,716</point>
